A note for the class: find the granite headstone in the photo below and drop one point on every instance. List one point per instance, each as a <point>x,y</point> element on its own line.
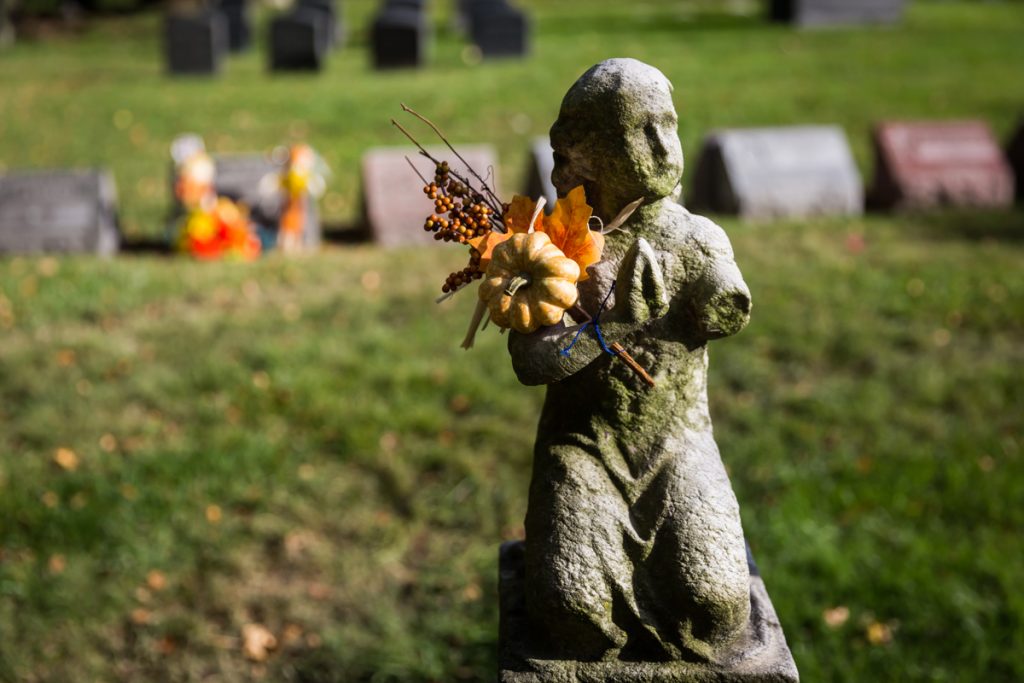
<point>778,172</point>
<point>394,206</point>
<point>195,44</point>
<point>299,40</point>
<point>926,164</point>
<point>836,12</point>
<point>1015,155</point>
<point>499,29</point>
<point>6,27</point>
<point>238,17</point>
<point>334,28</point>
<point>400,37</point>
<point>538,175</point>
<point>59,211</point>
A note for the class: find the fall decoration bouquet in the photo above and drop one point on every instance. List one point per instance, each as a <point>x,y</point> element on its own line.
<point>530,263</point>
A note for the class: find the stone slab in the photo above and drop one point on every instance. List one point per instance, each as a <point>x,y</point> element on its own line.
<point>836,12</point>
<point>335,30</point>
<point>58,211</point>
<point>927,164</point>
<point>394,206</point>
<point>787,172</point>
<point>499,29</point>
<point>238,17</point>
<point>195,44</point>
<point>538,175</point>
<point>1015,155</point>
<point>401,37</point>
<point>299,40</point>
<point>761,657</point>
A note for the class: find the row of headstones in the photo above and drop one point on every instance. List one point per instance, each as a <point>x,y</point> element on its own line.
<point>756,173</point>
<point>811,13</point>
<point>197,43</point>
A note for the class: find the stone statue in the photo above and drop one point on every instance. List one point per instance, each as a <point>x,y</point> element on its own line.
<point>634,547</point>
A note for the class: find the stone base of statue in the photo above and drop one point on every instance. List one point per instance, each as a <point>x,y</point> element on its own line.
<point>761,656</point>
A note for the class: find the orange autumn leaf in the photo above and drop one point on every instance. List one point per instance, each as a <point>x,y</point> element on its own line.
<point>568,226</point>
<point>516,220</point>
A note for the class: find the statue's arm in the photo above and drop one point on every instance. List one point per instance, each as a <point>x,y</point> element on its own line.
<point>640,296</point>
<point>721,298</point>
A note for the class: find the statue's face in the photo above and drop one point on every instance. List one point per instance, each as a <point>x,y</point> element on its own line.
<point>619,158</point>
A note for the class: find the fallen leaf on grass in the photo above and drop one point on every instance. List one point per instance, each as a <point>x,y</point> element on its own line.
<point>257,642</point>
<point>156,580</point>
<point>836,616</point>
<point>58,563</point>
<point>879,633</point>
<point>66,459</point>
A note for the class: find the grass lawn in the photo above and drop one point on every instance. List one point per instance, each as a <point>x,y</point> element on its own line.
<point>188,450</point>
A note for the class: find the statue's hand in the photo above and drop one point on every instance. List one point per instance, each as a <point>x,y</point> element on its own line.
<point>640,293</point>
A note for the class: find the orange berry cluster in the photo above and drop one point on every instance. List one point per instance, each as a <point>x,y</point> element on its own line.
<point>466,275</point>
<point>460,213</point>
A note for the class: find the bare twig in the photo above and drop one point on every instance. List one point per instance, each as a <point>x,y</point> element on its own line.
<point>416,170</point>
<point>437,130</point>
<point>581,317</point>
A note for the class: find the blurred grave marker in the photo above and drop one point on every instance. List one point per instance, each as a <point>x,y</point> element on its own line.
<point>920,165</point>
<point>333,27</point>
<point>538,176</point>
<point>299,40</point>
<point>401,33</point>
<point>778,172</point>
<point>809,13</point>
<point>59,211</point>
<point>498,29</point>
<point>394,206</point>
<point>238,18</point>
<point>195,43</point>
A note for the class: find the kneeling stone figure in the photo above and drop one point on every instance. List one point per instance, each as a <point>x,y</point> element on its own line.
<point>634,548</point>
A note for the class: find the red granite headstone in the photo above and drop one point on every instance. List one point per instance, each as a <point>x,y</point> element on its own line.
<point>927,164</point>
<point>394,205</point>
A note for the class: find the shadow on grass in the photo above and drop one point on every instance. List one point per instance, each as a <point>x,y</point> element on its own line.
<point>661,22</point>
<point>973,225</point>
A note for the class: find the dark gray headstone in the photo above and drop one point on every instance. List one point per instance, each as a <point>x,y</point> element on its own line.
<point>1015,155</point>
<point>195,43</point>
<point>778,172</point>
<point>6,27</point>
<point>394,206</point>
<point>299,41</point>
<point>238,17</point>
<point>926,164</point>
<point>58,211</point>
<point>836,12</point>
<point>330,15</point>
<point>499,29</point>
<point>400,37</point>
<point>538,176</point>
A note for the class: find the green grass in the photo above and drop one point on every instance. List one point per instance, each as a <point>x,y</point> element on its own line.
<point>365,469</point>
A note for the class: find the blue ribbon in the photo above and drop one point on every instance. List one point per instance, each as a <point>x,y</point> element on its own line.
<point>596,322</point>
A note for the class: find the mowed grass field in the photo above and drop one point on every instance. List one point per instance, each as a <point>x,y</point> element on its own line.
<point>197,457</point>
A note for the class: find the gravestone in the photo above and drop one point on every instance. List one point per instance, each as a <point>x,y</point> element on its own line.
<point>394,206</point>
<point>778,172</point>
<point>299,40</point>
<point>499,29</point>
<point>922,165</point>
<point>836,12</point>
<point>400,37</point>
<point>195,44</point>
<point>238,17</point>
<point>330,17</point>
<point>58,211</point>
<point>635,565</point>
<point>6,27</point>
<point>1015,155</point>
<point>538,176</point>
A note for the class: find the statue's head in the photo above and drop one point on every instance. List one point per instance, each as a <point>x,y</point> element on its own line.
<point>616,135</point>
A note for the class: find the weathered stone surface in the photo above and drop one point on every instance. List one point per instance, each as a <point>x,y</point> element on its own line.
<point>788,172</point>
<point>1015,155</point>
<point>394,206</point>
<point>761,657</point>
<point>634,551</point>
<point>922,165</point>
<point>58,211</point>
<point>836,12</point>
<point>195,44</point>
<point>400,38</point>
<point>299,40</point>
